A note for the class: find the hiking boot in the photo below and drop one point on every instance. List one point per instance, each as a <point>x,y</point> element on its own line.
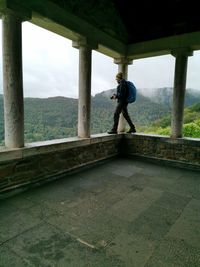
<point>131,130</point>
<point>112,132</point>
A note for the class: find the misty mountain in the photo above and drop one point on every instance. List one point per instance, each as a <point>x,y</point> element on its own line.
<point>164,95</point>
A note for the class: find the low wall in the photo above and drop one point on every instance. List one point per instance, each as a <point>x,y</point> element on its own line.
<point>182,152</point>
<point>43,161</point>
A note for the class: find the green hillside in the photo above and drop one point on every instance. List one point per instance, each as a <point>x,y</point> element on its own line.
<point>142,112</point>
<point>191,127</point>
<point>50,118</point>
<point>56,117</point>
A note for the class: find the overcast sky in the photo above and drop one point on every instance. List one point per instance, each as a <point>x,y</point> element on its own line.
<point>50,67</point>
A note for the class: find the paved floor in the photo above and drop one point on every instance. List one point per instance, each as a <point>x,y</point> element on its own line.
<point>121,213</point>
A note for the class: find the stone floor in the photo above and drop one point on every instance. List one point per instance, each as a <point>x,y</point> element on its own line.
<point>124,212</point>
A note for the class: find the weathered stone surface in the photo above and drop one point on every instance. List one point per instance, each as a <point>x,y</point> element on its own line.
<point>45,166</point>
<point>43,161</point>
<point>125,212</point>
<point>177,150</point>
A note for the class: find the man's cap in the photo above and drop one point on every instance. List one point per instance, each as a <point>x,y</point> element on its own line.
<point>119,75</point>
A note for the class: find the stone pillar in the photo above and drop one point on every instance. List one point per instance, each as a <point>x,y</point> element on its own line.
<point>122,67</point>
<point>12,81</point>
<point>123,63</point>
<point>84,101</point>
<point>179,91</point>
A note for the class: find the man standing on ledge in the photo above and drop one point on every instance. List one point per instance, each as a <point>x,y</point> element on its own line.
<point>121,96</point>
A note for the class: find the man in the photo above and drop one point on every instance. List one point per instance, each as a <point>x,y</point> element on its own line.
<point>121,96</point>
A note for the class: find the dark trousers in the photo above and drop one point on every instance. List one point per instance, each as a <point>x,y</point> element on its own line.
<point>122,107</point>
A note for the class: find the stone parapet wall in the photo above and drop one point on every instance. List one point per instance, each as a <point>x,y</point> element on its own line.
<point>184,152</point>
<point>40,162</point>
<point>43,161</point>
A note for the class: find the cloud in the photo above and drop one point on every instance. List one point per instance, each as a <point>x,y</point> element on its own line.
<point>103,73</point>
<point>54,64</point>
<point>154,72</point>
<point>193,77</point>
<point>50,67</point>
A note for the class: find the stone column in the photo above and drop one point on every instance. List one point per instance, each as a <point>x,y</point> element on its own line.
<point>179,91</point>
<point>84,101</point>
<point>123,63</point>
<point>12,81</point>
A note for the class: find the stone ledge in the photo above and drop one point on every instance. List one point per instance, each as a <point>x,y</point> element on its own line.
<point>21,187</point>
<point>38,148</point>
<point>185,150</point>
<point>167,139</point>
<point>42,161</point>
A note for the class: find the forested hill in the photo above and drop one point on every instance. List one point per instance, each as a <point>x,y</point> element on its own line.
<point>143,111</point>
<point>191,123</point>
<point>56,117</point>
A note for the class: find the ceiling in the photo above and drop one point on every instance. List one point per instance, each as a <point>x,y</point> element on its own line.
<point>135,28</point>
<point>146,20</point>
<point>136,21</point>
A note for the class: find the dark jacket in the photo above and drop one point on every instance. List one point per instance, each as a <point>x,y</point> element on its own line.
<point>122,92</point>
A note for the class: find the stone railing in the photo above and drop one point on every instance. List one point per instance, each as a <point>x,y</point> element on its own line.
<point>40,162</point>
<point>182,152</point>
<point>43,161</point>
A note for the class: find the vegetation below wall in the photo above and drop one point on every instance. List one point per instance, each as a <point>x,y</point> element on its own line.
<point>56,117</point>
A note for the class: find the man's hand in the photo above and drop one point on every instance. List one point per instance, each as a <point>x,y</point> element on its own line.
<point>114,96</point>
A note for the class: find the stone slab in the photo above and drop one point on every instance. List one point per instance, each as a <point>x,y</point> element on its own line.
<point>48,246</point>
<point>174,253</point>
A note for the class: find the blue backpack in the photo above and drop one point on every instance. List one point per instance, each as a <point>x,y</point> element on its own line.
<point>132,91</point>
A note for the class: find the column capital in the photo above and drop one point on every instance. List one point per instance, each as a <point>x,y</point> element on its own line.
<point>123,60</point>
<point>182,51</point>
<point>19,11</point>
<point>84,42</point>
